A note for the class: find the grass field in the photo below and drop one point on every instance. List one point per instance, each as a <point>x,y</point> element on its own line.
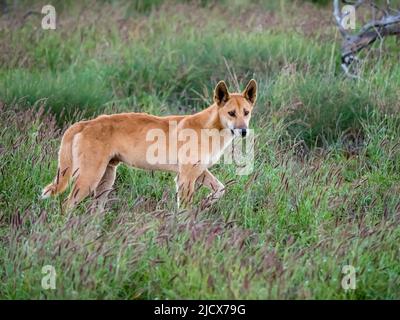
<point>324,193</point>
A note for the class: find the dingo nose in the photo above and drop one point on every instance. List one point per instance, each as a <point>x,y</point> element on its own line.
<point>243,132</point>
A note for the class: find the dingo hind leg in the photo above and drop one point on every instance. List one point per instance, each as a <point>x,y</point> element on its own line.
<point>90,164</point>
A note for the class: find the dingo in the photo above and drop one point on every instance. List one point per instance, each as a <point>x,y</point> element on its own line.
<point>91,150</point>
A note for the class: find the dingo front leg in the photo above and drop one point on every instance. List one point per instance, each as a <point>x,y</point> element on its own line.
<point>186,183</point>
<point>217,188</point>
<point>105,186</point>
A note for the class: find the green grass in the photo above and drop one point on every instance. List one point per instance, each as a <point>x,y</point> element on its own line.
<point>325,188</point>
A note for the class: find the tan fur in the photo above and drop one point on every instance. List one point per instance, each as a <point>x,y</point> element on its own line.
<point>91,150</point>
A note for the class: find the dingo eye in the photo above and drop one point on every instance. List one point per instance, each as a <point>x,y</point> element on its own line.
<point>246,112</point>
<point>232,113</point>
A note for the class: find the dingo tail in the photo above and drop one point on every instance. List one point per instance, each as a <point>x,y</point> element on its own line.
<point>65,164</point>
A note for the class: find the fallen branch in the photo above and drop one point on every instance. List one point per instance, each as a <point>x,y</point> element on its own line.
<point>388,23</point>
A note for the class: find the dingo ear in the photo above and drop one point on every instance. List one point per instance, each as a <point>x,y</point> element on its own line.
<point>250,93</point>
<point>221,94</point>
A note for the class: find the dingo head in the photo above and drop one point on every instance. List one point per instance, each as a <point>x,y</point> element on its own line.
<point>235,108</point>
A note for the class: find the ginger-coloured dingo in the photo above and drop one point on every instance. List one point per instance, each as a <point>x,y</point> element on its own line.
<point>91,150</point>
